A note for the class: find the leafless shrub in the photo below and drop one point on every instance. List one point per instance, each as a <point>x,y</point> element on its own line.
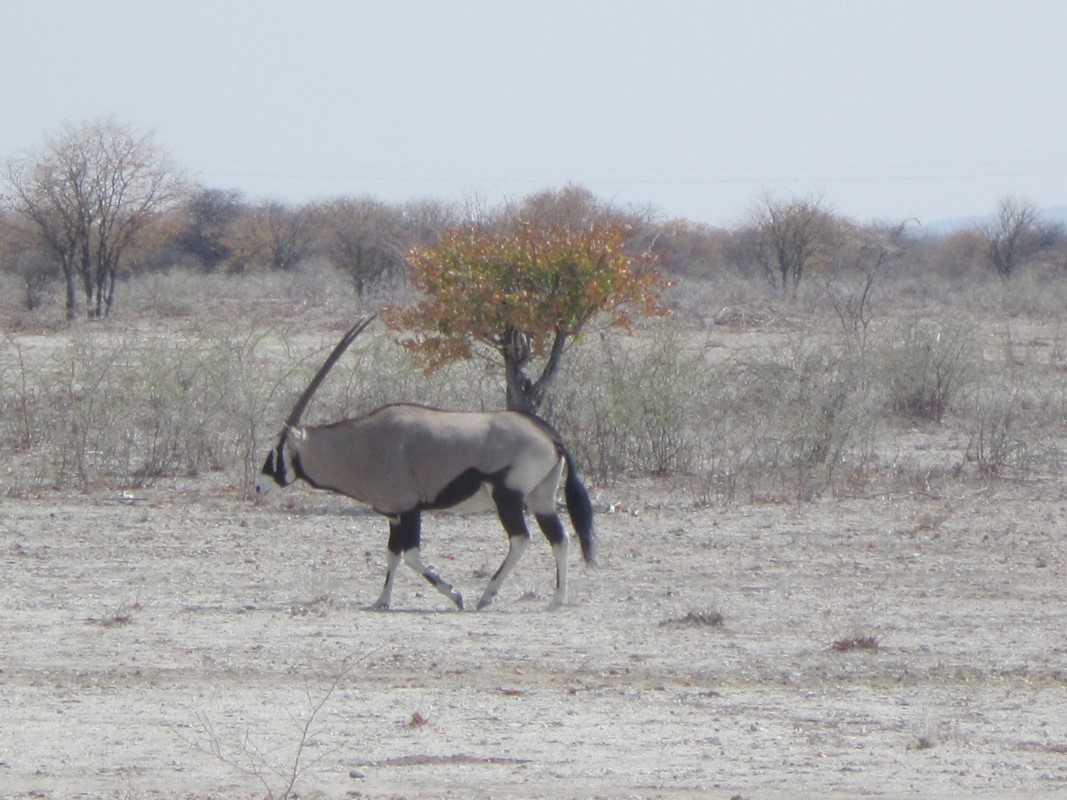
<point>855,642</point>
<point>926,366</point>
<point>696,619</point>
<point>796,417</point>
<point>631,405</point>
<point>995,446</point>
<point>205,389</point>
<point>246,756</point>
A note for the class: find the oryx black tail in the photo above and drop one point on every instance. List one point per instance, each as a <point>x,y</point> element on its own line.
<point>580,509</point>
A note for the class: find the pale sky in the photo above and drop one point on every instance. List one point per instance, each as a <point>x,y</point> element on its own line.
<point>887,109</point>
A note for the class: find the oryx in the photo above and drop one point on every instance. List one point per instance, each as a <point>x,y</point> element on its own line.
<point>404,459</point>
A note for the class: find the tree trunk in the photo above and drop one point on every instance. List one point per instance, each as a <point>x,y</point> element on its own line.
<point>110,291</point>
<point>519,387</point>
<point>68,275</point>
<point>524,394</point>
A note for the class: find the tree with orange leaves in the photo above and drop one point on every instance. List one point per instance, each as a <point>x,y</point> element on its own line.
<point>522,291</point>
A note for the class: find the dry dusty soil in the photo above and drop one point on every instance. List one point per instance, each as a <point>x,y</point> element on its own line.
<point>184,642</point>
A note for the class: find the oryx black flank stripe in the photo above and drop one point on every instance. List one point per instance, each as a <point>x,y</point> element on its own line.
<point>463,487</point>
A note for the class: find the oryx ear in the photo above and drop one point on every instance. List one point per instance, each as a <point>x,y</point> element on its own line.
<point>296,432</point>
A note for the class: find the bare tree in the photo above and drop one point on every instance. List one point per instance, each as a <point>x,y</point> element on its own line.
<point>208,214</point>
<point>271,234</point>
<point>88,193</point>
<point>786,236</point>
<point>361,237</point>
<point>850,283</point>
<point>426,220</point>
<point>1013,236</point>
<point>573,207</point>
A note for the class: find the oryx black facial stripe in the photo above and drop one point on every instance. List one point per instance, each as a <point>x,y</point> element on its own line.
<point>279,463</point>
<point>274,466</point>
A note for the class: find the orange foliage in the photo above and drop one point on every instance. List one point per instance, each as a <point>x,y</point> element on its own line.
<point>483,286</point>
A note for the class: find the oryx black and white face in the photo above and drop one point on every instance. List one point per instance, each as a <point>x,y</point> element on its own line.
<point>278,469</point>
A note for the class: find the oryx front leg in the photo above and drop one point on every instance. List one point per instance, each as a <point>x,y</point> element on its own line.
<point>392,561</point>
<point>404,540</point>
<point>509,506</point>
<point>413,558</point>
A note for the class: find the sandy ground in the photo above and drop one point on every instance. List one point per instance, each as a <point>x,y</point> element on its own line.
<point>184,642</point>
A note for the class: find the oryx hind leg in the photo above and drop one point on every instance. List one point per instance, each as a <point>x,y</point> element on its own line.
<point>404,542</point>
<point>509,506</point>
<point>542,502</point>
<point>552,528</point>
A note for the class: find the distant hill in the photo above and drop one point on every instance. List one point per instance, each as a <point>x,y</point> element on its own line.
<point>943,227</point>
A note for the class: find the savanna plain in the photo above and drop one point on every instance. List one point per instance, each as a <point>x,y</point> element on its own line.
<point>832,557</point>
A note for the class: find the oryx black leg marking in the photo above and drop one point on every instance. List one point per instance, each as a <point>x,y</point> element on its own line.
<point>509,507</point>
<point>552,528</point>
<point>404,542</point>
<point>403,534</point>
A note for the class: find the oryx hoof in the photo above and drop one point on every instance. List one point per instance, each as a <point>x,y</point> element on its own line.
<point>486,601</point>
<point>379,605</point>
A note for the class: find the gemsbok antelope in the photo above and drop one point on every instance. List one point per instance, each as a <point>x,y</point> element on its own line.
<point>404,459</point>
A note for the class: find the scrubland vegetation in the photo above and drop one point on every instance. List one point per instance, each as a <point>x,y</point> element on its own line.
<point>795,354</point>
<point>738,394</point>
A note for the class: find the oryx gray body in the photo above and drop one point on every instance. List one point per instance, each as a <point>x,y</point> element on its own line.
<point>402,460</point>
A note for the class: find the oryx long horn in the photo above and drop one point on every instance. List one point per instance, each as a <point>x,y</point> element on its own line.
<point>338,351</point>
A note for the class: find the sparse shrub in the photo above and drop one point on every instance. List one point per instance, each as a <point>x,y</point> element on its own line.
<point>105,408</point>
<point>926,366</point>
<point>795,417</point>
<point>121,409</point>
<point>92,405</point>
<point>995,446</point>
<point>626,405</point>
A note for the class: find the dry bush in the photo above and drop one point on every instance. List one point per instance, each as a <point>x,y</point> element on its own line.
<point>657,405</point>
<point>121,408</point>
<point>925,366</point>
<point>634,404</point>
<point>995,445</point>
<point>855,642</point>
